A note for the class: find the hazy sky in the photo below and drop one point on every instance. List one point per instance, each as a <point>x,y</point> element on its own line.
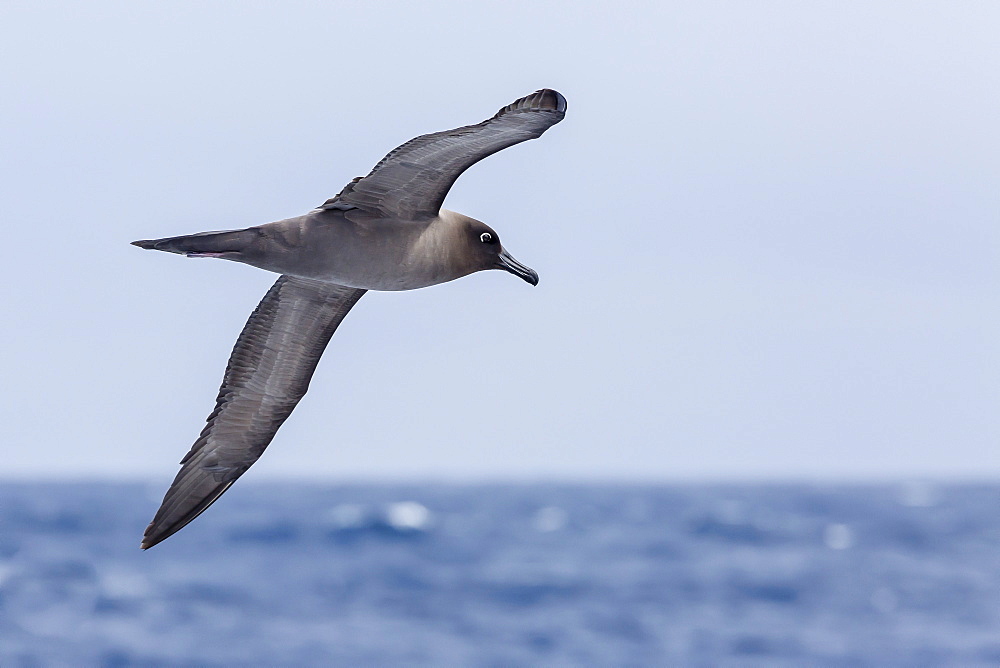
<point>768,236</point>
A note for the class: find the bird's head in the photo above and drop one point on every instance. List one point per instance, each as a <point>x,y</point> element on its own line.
<point>483,250</point>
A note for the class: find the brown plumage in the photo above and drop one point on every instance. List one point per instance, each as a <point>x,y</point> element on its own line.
<point>385,231</point>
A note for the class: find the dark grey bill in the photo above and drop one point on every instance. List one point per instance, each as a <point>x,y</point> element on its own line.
<point>508,263</point>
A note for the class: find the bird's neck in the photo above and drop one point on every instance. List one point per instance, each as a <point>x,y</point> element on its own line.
<point>441,243</point>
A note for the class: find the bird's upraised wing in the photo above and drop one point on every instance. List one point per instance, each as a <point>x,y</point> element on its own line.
<point>268,372</point>
<point>412,181</point>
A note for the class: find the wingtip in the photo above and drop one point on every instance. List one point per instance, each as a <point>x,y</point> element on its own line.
<point>156,534</point>
<point>551,99</point>
<point>545,99</point>
<point>147,538</point>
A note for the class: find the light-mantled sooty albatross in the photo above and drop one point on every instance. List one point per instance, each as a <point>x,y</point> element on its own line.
<point>384,231</point>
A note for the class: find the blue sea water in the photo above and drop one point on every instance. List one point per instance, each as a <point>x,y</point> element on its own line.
<point>505,575</point>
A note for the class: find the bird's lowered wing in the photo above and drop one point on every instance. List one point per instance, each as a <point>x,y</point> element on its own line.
<point>412,181</point>
<point>268,372</point>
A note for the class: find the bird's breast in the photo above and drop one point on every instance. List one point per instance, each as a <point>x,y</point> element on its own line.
<point>373,255</point>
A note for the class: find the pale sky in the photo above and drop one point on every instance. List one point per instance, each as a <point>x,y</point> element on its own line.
<point>768,236</point>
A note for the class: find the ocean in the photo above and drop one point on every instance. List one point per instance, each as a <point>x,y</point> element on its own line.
<point>505,575</point>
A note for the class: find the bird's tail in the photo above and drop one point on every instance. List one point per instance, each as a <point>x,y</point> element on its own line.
<point>204,244</point>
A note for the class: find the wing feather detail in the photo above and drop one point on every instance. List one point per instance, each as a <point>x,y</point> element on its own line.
<point>412,181</point>
<point>268,373</point>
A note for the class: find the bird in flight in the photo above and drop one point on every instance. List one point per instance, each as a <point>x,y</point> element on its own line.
<point>384,231</point>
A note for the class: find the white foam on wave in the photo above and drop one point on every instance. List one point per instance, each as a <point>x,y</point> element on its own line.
<point>408,515</point>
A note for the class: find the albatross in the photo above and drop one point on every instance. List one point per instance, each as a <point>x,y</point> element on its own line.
<point>383,231</point>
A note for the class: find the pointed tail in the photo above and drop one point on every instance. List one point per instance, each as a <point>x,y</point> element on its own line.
<point>204,244</point>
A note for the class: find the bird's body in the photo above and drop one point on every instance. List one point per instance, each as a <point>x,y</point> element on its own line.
<point>386,231</point>
<point>351,248</point>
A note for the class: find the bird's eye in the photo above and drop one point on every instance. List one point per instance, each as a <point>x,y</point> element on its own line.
<point>486,238</point>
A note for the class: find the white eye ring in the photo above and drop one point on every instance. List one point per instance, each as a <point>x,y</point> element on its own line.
<point>486,237</point>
